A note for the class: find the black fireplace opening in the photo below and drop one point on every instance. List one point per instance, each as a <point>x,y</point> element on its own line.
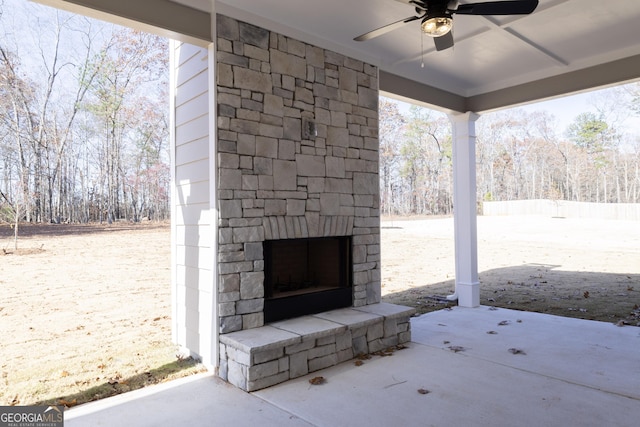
<point>306,276</point>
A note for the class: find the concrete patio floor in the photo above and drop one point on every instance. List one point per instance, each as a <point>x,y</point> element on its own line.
<point>564,372</point>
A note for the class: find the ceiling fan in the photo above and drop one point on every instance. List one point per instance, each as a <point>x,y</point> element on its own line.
<point>437,17</point>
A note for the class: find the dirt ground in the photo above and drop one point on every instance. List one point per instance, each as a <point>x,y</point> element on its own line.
<point>85,310</point>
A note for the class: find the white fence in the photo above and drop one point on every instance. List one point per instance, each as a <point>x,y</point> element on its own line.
<point>564,209</point>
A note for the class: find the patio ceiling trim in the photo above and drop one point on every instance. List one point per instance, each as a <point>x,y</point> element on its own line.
<point>612,73</point>
<point>609,74</point>
<point>163,17</point>
<point>411,91</point>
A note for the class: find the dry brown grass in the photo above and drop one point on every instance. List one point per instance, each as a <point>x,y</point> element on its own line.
<point>85,313</point>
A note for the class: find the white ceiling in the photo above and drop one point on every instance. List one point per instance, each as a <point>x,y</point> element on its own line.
<point>564,46</point>
<point>490,54</point>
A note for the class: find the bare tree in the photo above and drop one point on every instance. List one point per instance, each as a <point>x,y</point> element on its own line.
<point>19,124</point>
<point>391,126</point>
<point>60,76</point>
<point>130,60</point>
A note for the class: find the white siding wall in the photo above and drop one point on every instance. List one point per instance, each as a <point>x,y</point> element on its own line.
<point>193,224</point>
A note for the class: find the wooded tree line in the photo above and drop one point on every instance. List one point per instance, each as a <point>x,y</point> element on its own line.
<point>519,155</point>
<point>84,132</point>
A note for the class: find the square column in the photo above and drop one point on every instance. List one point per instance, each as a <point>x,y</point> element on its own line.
<point>464,209</point>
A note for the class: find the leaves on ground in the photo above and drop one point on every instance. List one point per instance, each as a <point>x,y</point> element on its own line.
<point>456,348</point>
<point>389,350</point>
<point>516,351</point>
<point>317,380</point>
<point>423,391</point>
<point>504,323</point>
<point>492,332</point>
<point>382,353</point>
<point>67,403</point>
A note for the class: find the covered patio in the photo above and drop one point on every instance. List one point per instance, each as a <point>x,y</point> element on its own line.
<point>568,372</point>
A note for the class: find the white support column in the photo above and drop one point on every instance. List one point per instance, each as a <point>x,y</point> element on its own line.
<point>464,209</point>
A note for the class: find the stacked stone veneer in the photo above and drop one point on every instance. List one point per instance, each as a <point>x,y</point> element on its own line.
<point>297,157</point>
<point>277,178</point>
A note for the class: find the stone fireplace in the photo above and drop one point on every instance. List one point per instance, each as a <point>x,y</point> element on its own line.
<point>299,220</point>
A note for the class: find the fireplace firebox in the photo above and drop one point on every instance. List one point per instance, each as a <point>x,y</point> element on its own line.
<point>306,276</point>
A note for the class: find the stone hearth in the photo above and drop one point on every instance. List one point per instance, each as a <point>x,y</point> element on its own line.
<point>257,358</point>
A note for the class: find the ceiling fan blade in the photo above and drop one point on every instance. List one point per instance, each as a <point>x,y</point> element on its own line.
<point>515,7</point>
<point>444,42</point>
<point>383,30</point>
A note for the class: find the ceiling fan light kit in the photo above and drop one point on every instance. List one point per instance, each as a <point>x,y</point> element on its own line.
<point>436,26</point>
<point>437,17</point>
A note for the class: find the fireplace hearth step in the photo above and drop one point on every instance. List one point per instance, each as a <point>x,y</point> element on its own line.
<point>257,358</point>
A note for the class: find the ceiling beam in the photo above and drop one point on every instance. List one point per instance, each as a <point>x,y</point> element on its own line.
<point>603,75</point>
<point>609,74</point>
<point>162,17</point>
<point>430,96</point>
